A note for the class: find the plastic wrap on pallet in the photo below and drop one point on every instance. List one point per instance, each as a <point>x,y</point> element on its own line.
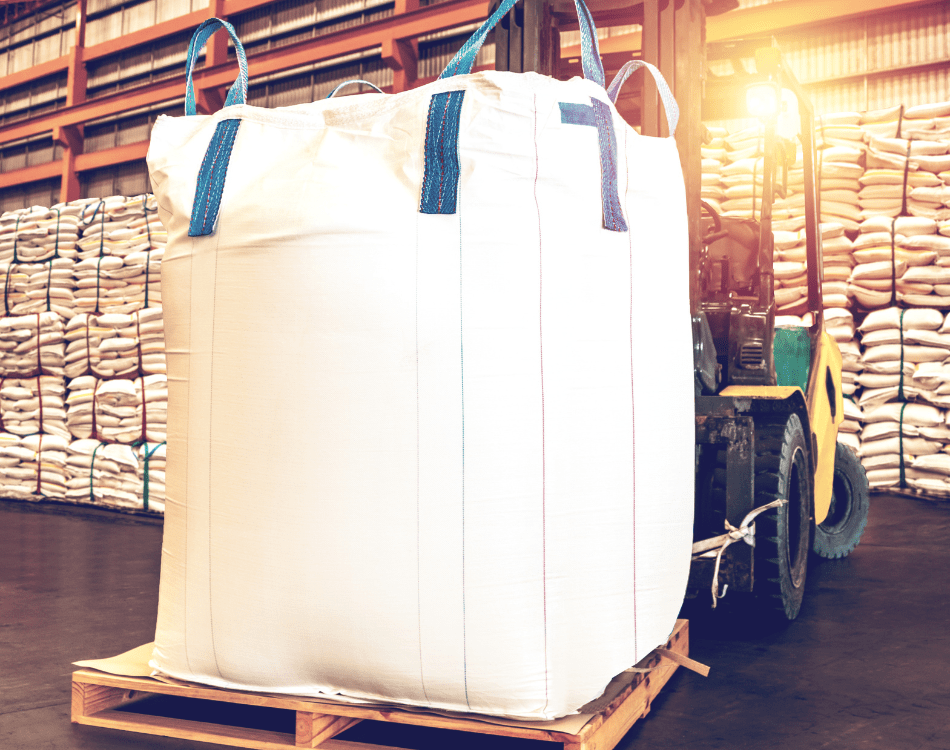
<point>32,345</point>
<point>33,405</point>
<point>118,269</point>
<point>103,473</point>
<point>120,410</point>
<point>116,344</point>
<point>33,467</point>
<point>151,474</point>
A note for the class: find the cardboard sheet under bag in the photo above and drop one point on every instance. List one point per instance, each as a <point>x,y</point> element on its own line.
<point>441,456</point>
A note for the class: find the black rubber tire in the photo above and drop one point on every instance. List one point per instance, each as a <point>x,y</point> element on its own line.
<point>783,534</point>
<point>841,531</point>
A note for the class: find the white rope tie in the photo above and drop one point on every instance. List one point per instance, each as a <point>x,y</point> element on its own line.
<point>717,545</point>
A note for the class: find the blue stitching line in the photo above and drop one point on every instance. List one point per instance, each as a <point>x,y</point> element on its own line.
<point>442,168</point>
<point>211,176</point>
<point>462,399</point>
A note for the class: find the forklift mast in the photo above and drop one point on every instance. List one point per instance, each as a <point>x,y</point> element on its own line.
<point>672,39</point>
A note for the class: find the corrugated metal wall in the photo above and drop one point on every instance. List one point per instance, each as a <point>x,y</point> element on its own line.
<point>124,179</point>
<point>875,61</point>
<point>45,193</point>
<point>36,39</point>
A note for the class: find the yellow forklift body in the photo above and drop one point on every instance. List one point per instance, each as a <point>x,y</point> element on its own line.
<point>825,410</point>
<point>825,413</point>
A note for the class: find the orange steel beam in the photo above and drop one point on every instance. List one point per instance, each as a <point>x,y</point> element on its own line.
<point>787,14</point>
<point>83,162</point>
<point>30,174</point>
<point>409,25</point>
<point>42,70</point>
<point>631,42</point>
<point>151,34</point>
<point>776,16</point>
<point>111,156</point>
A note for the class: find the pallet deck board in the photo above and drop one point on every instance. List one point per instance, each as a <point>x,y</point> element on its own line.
<point>98,697</point>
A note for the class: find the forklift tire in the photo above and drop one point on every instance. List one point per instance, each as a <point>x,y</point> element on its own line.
<point>782,534</point>
<point>840,532</point>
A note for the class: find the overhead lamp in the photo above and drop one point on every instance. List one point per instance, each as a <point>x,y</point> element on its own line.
<point>762,100</point>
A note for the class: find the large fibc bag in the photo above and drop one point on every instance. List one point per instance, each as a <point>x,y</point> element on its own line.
<point>430,428</point>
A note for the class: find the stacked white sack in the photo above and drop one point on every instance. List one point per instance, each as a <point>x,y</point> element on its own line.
<point>849,431</point>
<point>839,129</point>
<point>788,267</point>
<point>103,473</point>
<point>33,405</point>
<point>741,174</point>
<point>33,466</point>
<point>38,250</point>
<point>12,454</point>
<point>713,153</point>
<point>791,276</point>
<point>120,253</point>
<point>116,344</point>
<point>30,344</point>
<point>839,169</point>
<point>922,146</point>
<point>151,473</point>
<point>896,261</point>
<point>119,410</point>
<point>896,344</point>
<point>35,234</point>
<point>839,324</point>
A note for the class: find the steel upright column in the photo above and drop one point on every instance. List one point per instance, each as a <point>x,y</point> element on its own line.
<point>402,55</point>
<point>690,44</point>
<point>71,136</point>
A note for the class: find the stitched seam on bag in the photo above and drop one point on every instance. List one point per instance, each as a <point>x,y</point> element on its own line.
<point>462,394</point>
<point>422,680</point>
<point>544,537</point>
<point>211,525</point>
<point>633,421</point>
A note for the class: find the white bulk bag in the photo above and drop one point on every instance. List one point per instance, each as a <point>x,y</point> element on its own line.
<point>441,457</point>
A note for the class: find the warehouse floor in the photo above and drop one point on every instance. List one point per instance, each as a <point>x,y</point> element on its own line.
<point>865,665</point>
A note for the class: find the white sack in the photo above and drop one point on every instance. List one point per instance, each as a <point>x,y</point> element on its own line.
<point>405,443</point>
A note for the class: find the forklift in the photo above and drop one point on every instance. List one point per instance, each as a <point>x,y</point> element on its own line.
<point>773,485</point>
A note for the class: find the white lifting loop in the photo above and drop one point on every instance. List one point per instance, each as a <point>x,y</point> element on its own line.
<point>717,545</point>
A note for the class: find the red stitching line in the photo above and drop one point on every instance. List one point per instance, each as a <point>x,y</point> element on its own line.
<point>633,424</point>
<point>544,551</point>
<point>39,467</point>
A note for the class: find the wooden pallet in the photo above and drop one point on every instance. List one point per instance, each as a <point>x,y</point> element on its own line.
<point>96,696</point>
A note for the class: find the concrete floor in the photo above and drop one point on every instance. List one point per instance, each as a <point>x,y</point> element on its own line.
<point>865,666</point>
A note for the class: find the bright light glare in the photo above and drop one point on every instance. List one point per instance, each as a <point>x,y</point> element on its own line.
<point>761,100</point>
